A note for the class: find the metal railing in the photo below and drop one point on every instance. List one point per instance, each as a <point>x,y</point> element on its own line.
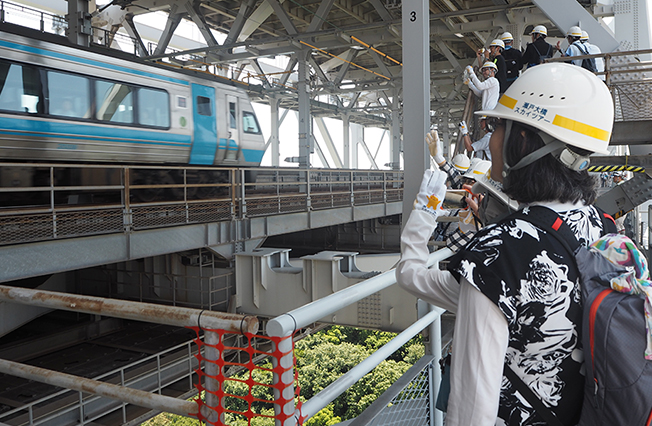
<point>627,78</point>
<point>51,23</point>
<point>18,14</point>
<point>286,324</point>
<point>207,289</point>
<point>171,365</point>
<point>408,402</point>
<point>40,202</point>
<point>157,373</point>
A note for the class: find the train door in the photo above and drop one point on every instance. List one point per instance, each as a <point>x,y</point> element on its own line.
<point>233,143</point>
<point>204,142</point>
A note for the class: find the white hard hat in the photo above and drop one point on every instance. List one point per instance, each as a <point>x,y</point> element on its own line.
<point>574,31</point>
<point>540,29</point>
<point>477,168</point>
<point>585,36</point>
<point>498,42</point>
<point>506,36</point>
<point>489,64</point>
<point>461,162</point>
<point>565,101</point>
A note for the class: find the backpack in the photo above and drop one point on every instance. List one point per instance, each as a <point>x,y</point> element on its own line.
<point>588,63</point>
<point>547,55</point>
<point>618,381</point>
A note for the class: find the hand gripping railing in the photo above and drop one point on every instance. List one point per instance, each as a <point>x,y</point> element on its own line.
<point>286,324</point>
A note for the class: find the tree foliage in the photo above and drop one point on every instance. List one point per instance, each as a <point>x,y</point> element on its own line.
<point>321,359</point>
<point>325,356</point>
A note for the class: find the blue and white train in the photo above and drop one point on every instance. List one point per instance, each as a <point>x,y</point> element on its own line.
<point>60,103</point>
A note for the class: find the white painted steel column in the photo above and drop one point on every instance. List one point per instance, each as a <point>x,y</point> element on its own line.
<point>274,103</point>
<point>305,118</point>
<point>356,138</point>
<point>211,356</point>
<point>435,349</point>
<point>346,144</point>
<point>416,96</point>
<point>286,362</point>
<point>395,132</point>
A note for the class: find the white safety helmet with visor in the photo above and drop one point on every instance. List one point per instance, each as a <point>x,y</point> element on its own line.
<point>540,29</point>
<point>570,107</point>
<point>506,36</point>
<point>461,162</point>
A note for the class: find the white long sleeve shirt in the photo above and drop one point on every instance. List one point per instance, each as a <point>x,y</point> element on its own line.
<point>481,146</point>
<point>488,90</point>
<point>481,335</point>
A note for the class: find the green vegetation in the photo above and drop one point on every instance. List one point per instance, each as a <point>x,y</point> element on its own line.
<point>321,359</point>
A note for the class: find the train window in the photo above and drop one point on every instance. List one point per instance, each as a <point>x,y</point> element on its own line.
<point>20,88</point>
<point>115,102</point>
<point>204,106</point>
<point>69,95</point>
<point>232,114</point>
<point>153,108</point>
<point>250,123</point>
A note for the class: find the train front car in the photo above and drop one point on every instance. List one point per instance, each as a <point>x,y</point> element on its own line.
<point>228,133</point>
<point>60,103</point>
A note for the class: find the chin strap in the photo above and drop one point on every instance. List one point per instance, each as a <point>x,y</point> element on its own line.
<point>561,151</point>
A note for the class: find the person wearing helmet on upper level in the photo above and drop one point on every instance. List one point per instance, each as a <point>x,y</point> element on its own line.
<point>488,90</point>
<point>513,59</point>
<point>539,49</point>
<point>495,54</point>
<point>514,288</point>
<point>575,46</point>
<point>594,50</point>
<point>481,146</point>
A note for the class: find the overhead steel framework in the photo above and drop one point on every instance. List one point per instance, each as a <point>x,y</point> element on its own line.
<point>344,57</point>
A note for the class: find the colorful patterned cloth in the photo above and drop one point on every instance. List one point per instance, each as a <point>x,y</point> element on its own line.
<point>620,250</point>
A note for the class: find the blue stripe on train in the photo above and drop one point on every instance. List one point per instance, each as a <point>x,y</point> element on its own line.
<point>48,53</point>
<point>76,131</point>
<point>229,145</point>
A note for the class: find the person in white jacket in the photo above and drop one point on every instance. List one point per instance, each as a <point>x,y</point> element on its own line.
<point>489,89</point>
<point>514,289</point>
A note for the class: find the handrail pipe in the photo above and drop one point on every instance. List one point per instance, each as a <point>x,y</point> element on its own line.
<point>96,387</point>
<point>138,311</point>
<point>286,324</point>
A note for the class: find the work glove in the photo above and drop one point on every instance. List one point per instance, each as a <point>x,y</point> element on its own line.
<point>466,77</point>
<point>434,145</point>
<point>432,192</point>
<point>469,69</point>
<point>463,128</point>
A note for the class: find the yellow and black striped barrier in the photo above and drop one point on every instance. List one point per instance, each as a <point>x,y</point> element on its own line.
<point>617,168</point>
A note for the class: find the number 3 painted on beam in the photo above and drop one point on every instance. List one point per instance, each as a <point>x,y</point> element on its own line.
<point>413,16</point>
